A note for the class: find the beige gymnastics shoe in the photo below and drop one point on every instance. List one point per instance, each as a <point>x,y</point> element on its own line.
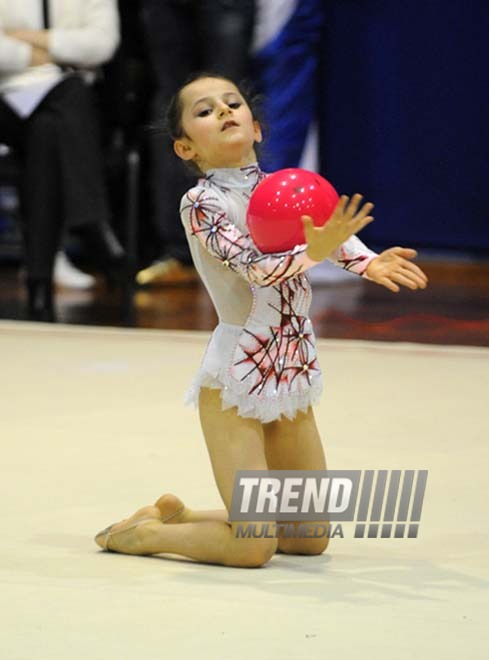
<point>102,538</point>
<point>132,545</point>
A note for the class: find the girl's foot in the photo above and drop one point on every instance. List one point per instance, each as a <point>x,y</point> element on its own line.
<point>126,536</point>
<point>172,509</point>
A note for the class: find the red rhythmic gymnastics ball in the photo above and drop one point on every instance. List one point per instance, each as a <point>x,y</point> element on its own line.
<point>278,202</point>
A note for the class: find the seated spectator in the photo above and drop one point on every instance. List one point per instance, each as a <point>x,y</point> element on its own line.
<point>49,54</point>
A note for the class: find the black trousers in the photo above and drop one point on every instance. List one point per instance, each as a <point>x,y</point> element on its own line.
<point>62,169</point>
<point>184,36</point>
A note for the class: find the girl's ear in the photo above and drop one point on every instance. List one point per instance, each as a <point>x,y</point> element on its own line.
<point>258,133</point>
<point>184,150</point>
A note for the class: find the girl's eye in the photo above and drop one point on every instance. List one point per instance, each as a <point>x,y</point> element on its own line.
<point>234,104</point>
<point>204,113</point>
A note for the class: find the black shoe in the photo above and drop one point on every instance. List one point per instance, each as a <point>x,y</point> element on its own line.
<point>102,244</point>
<point>40,301</point>
<point>106,253</point>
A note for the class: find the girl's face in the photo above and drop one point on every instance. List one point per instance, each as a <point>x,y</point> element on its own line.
<point>218,125</point>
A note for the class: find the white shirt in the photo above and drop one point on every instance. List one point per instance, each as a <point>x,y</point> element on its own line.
<point>84,34</point>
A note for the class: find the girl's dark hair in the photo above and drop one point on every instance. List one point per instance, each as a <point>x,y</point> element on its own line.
<point>172,122</point>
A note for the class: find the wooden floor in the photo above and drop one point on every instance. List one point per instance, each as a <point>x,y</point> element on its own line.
<point>452,310</point>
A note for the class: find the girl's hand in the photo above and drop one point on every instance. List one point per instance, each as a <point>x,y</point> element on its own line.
<point>392,267</point>
<point>347,219</point>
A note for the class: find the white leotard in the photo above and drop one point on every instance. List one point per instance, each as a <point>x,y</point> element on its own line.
<point>262,354</point>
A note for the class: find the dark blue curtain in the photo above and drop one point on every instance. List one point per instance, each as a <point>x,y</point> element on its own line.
<point>286,72</point>
<point>404,111</point>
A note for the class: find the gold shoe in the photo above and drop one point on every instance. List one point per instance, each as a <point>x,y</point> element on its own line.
<point>167,271</point>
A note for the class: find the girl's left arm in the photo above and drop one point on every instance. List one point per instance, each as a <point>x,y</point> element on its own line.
<point>390,268</point>
<point>393,267</point>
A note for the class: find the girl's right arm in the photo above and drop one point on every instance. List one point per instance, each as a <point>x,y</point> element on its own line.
<point>205,218</point>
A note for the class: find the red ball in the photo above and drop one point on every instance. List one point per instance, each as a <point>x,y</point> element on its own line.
<point>278,202</point>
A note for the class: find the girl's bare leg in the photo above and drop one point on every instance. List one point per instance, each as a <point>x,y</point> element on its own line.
<point>233,443</point>
<point>296,445</point>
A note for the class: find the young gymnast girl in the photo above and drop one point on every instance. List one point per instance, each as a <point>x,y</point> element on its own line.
<point>260,374</point>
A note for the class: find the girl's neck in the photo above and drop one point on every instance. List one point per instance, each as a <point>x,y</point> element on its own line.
<point>244,178</point>
<point>228,163</point>
<point>243,166</point>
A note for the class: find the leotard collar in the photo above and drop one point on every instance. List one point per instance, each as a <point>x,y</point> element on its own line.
<point>235,177</point>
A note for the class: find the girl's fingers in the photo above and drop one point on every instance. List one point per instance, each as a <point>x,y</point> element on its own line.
<point>347,206</point>
<point>407,253</point>
<point>416,272</point>
<point>405,280</point>
<point>365,210</point>
<point>385,281</point>
<point>361,223</point>
<point>340,206</point>
<point>417,281</point>
<point>354,204</point>
<point>339,210</point>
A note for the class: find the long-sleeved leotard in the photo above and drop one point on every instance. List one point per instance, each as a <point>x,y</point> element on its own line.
<point>263,353</point>
<point>212,226</point>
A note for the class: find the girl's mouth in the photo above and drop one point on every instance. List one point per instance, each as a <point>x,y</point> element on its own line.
<point>228,124</point>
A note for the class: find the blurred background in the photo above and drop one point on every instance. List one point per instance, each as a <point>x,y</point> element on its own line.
<point>389,99</point>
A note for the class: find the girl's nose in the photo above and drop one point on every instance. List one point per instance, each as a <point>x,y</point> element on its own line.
<point>223,110</point>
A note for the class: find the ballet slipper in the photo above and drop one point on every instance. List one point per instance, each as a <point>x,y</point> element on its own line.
<point>110,534</point>
<point>106,532</point>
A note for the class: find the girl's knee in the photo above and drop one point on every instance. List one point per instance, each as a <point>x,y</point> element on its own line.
<point>253,553</point>
<point>261,553</point>
<point>295,546</point>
